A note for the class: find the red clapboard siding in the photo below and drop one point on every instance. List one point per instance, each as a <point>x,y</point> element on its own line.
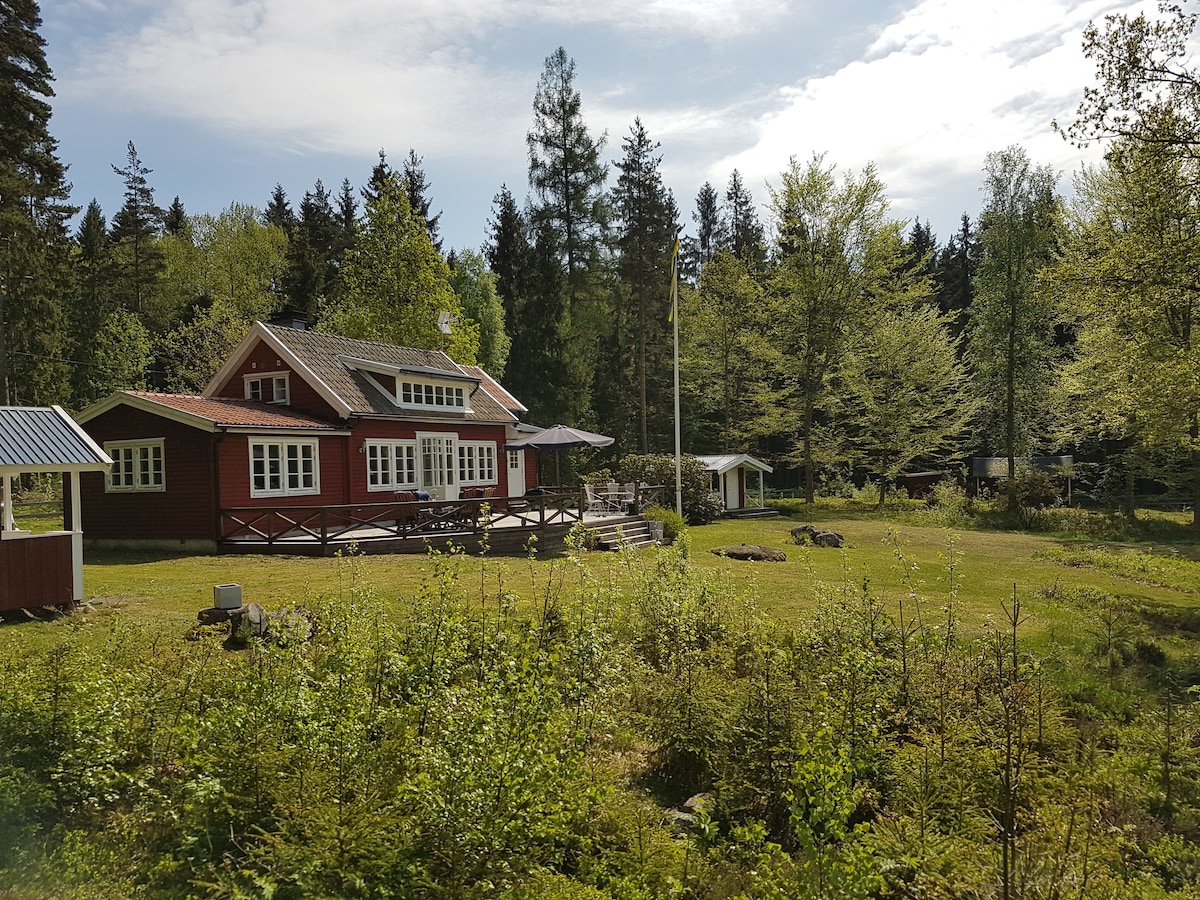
<point>234,453</point>
<point>261,360</point>
<point>36,571</point>
<point>184,511</point>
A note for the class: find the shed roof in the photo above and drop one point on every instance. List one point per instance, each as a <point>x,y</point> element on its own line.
<point>44,439</point>
<point>997,466</point>
<point>728,461</point>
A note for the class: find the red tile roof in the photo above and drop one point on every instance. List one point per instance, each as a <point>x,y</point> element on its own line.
<point>222,411</point>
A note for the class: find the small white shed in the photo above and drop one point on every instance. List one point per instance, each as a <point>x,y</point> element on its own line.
<point>43,569</point>
<point>737,478</point>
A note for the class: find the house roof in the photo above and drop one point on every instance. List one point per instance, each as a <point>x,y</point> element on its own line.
<point>726,462</point>
<point>212,413</point>
<point>332,365</point>
<point>45,439</point>
<point>498,392</point>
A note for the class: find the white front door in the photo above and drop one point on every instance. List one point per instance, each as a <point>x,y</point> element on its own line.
<point>438,459</point>
<point>516,473</point>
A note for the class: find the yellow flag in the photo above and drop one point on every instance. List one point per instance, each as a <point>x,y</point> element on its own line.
<point>674,280</point>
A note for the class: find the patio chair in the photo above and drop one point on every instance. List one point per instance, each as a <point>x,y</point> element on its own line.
<point>597,503</point>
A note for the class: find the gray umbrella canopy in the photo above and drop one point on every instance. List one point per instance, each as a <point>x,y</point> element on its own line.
<point>560,437</point>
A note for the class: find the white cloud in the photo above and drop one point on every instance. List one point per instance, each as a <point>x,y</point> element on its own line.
<point>331,76</point>
<point>937,90</point>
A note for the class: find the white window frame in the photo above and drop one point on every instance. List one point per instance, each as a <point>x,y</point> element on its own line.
<point>477,463</point>
<point>290,478</point>
<point>431,395</point>
<point>138,466</point>
<point>391,465</point>
<point>277,380</point>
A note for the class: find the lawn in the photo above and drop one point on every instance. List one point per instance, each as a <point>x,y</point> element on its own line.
<point>896,560</point>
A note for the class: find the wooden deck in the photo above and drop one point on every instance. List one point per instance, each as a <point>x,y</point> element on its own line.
<point>506,524</point>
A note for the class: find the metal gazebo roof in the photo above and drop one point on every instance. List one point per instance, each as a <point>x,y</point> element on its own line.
<point>39,439</point>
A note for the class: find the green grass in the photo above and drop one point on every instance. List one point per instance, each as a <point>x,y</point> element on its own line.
<point>895,559</point>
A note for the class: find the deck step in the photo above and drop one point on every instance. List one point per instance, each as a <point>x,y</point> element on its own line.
<point>622,531</point>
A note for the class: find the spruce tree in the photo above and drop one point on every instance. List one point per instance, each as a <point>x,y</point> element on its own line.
<point>175,220</point>
<point>416,185</point>
<point>570,213</point>
<point>279,211</point>
<point>508,254</point>
<point>745,230</point>
<point>34,210</point>
<point>646,235</point>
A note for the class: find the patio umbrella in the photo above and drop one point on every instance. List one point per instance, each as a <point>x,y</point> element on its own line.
<point>560,437</point>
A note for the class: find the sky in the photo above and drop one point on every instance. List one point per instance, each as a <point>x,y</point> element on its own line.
<point>225,98</point>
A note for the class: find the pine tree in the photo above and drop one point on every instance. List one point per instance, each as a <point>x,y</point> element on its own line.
<point>645,241</point>
<point>34,210</point>
<point>417,187</point>
<point>135,230</point>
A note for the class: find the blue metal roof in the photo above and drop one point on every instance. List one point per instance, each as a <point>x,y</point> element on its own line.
<point>45,439</point>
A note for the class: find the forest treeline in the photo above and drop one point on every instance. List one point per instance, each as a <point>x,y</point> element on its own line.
<point>826,335</point>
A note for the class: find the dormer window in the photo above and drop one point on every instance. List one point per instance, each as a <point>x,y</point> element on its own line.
<point>416,393</point>
<point>268,387</point>
<point>417,387</point>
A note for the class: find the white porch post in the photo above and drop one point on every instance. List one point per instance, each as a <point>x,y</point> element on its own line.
<point>76,523</point>
<point>8,524</point>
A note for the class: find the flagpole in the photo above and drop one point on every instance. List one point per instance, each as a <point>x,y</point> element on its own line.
<point>675,322</point>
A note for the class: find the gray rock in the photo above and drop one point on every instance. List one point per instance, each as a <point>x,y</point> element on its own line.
<point>827,539</point>
<point>754,552</point>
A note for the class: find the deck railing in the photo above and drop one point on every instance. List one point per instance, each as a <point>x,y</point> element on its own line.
<point>397,519</point>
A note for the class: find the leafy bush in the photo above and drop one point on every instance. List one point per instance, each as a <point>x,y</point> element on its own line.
<point>700,504</point>
<point>673,523</point>
<point>1031,488</point>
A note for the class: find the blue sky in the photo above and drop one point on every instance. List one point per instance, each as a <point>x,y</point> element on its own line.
<point>223,98</point>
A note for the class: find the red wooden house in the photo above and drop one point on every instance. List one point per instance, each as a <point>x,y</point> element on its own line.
<point>298,427</point>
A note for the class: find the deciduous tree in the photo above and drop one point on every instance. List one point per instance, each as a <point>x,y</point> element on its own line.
<point>1011,335</point>
<point>839,258</point>
<point>396,283</point>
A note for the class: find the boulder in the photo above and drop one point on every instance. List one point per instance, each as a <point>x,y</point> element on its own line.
<point>754,552</point>
<point>827,539</point>
<point>811,534</point>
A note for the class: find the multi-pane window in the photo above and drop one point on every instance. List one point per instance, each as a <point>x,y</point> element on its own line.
<point>514,459</point>
<point>272,388</point>
<point>137,466</point>
<point>417,394</point>
<point>278,468</point>
<point>476,463</point>
<point>391,465</point>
